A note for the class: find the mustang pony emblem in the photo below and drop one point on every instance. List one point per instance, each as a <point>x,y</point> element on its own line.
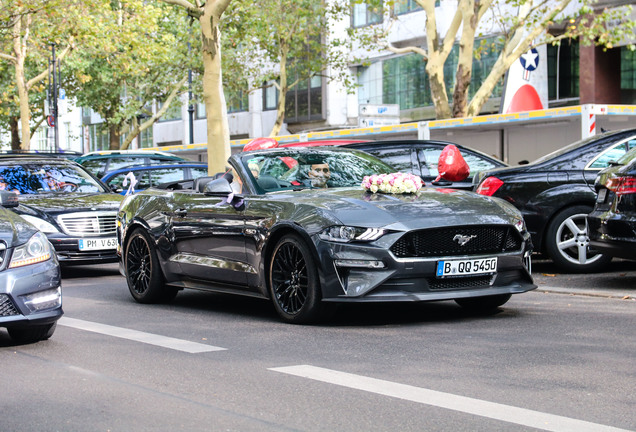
<point>463,239</point>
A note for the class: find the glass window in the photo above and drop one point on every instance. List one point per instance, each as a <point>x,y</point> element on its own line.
<point>612,154</point>
<point>364,14</point>
<point>165,175</point>
<point>400,159</point>
<point>237,101</point>
<point>46,178</point>
<point>173,112</point>
<point>119,162</point>
<point>563,70</point>
<point>270,96</point>
<point>304,102</point>
<point>406,6</point>
<point>198,172</point>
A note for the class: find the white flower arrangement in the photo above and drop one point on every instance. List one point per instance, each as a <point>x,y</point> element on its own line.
<point>394,183</point>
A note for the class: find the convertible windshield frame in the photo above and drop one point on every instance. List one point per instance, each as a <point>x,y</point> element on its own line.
<point>302,168</point>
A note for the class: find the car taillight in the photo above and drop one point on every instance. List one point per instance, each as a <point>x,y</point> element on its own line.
<point>489,186</point>
<point>621,185</point>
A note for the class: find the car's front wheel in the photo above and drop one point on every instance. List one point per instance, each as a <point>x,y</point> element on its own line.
<point>567,242</point>
<point>31,334</point>
<point>143,273</point>
<point>293,282</point>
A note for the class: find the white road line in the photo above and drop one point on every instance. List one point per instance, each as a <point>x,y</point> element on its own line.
<point>134,335</point>
<point>492,410</point>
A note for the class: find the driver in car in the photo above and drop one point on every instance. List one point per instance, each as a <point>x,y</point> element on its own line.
<point>319,175</point>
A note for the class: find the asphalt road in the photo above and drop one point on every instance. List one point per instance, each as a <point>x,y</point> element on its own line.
<point>559,358</point>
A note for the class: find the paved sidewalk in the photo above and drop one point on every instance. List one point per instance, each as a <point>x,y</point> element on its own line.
<point>618,281</point>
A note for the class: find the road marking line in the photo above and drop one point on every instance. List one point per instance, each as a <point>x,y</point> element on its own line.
<point>492,410</point>
<point>149,338</point>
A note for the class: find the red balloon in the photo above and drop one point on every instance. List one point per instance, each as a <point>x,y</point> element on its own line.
<point>260,144</point>
<point>525,99</point>
<point>451,165</point>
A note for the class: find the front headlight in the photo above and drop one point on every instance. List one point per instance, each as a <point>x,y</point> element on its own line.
<point>36,250</point>
<point>40,224</point>
<point>346,234</point>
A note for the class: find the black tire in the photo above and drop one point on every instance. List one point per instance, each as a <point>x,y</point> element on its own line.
<point>294,284</point>
<point>23,335</point>
<point>483,304</point>
<point>143,272</point>
<point>567,242</point>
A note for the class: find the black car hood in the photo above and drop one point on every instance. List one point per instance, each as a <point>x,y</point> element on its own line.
<point>53,204</point>
<point>14,230</point>
<point>428,208</point>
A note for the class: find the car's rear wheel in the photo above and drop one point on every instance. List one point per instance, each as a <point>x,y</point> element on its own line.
<point>483,304</point>
<point>143,273</point>
<point>32,334</point>
<point>567,242</point>
<point>293,282</point>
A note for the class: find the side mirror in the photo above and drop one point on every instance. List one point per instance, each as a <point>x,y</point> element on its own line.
<point>218,187</point>
<point>9,199</point>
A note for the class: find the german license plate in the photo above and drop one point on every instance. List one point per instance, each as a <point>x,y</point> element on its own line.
<point>98,243</point>
<point>466,267</point>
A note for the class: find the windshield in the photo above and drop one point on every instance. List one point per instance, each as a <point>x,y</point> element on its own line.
<point>46,178</point>
<point>311,169</point>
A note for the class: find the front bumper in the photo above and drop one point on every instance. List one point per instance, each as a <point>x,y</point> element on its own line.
<point>381,277</point>
<point>68,251</point>
<point>613,234</point>
<point>16,284</point>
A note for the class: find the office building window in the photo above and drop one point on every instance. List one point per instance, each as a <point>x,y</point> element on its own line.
<point>173,112</point>
<point>363,14</point>
<point>237,101</point>
<point>628,69</point>
<point>563,70</point>
<point>304,101</point>
<point>270,96</point>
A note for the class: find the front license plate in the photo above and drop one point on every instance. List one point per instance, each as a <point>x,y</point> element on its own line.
<point>98,243</point>
<point>466,267</point>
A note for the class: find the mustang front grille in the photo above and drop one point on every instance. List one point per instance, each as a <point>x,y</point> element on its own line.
<point>472,240</point>
<point>6,306</point>
<point>89,223</point>
<point>459,283</point>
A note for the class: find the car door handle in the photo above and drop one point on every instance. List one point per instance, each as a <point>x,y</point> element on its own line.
<point>181,212</point>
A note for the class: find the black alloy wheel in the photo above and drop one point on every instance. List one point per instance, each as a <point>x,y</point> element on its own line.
<point>293,282</point>
<point>143,273</point>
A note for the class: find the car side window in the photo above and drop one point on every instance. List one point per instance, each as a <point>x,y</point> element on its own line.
<point>165,175</point>
<point>96,166</point>
<point>400,159</point>
<point>198,172</point>
<point>611,154</point>
<point>120,162</point>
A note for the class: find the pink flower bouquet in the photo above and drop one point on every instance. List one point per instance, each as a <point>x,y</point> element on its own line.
<point>395,183</point>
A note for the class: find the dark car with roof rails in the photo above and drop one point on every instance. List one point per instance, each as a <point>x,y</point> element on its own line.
<point>612,223</point>
<point>30,280</point>
<point>101,162</point>
<point>74,209</point>
<point>555,194</point>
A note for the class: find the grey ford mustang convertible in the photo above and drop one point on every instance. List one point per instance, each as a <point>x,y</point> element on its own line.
<point>296,226</point>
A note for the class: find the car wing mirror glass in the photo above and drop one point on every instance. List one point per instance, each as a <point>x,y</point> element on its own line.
<point>222,188</point>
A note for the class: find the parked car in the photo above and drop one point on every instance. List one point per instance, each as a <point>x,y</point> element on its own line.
<point>152,175</point>
<point>419,157</point>
<point>101,162</point>
<point>75,210</point>
<point>612,223</point>
<point>30,280</point>
<point>303,232</point>
<point>556,192</point>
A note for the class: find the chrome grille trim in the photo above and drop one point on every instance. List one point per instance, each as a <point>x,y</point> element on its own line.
<point>89,223</point>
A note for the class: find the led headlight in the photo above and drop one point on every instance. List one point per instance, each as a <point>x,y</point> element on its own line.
<point>49,299</point>
<point>346,234</point>
<point>36,250</point>
<point>40,224</point>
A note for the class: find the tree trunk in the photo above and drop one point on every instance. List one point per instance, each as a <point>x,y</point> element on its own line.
<point>20,36</point>
<point>113,134</point>
<point>15,132</point>
<point>282,94</point>
<point>216,109</point>
<point>465,60</point>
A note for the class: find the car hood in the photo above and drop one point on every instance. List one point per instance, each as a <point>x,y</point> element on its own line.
<point>430,207</point>
<point>53,204</point>
<point>14,230</point>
